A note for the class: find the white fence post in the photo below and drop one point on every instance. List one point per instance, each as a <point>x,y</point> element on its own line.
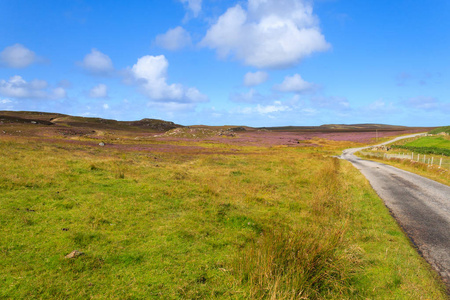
<point>440,163</point>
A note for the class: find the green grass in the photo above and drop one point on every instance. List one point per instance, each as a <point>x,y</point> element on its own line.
<point>431,141</point>
<point>439,145</point>
<point>269,223</point>
<point>445,129</point>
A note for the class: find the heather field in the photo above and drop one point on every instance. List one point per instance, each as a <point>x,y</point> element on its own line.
<point>249,215</point>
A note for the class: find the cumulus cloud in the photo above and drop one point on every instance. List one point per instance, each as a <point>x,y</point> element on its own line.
<point>99,91</point>
<point>150,72</point>
<point>195,6</point>
<point>97,63</point>
<point>17,56</point>
<point>294,84</point>
<point>269,34</point>
<point>174,39</point>
<point>17,87</point>
<point>253,79</point>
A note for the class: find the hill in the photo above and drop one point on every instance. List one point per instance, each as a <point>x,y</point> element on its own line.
<point>25,117</point>
<point>340,128</point>
<point>86,124</point>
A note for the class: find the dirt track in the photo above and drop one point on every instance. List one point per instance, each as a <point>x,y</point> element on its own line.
<point>420,205</point>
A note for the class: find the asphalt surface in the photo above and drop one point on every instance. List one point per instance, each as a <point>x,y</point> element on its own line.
<point>421,206</point>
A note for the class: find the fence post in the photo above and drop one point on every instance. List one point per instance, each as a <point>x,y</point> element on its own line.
<point>432,159</point>
<point>440,163</point>
<point>418,155</point>
<point>412,155</point>
<point>424,158</point>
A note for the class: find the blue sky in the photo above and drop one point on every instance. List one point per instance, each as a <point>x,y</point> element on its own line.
<point>217,62</point>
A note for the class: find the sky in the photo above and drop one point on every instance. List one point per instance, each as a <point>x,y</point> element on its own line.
<point>216,62</point>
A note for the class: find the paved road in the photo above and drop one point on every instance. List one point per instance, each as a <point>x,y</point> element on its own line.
<point>420,205</point>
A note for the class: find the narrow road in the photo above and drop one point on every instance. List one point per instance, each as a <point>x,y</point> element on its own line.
<point>420,205</point>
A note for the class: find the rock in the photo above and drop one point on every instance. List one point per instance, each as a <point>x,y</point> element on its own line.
<point>74,254</point>
<point>101,144</point>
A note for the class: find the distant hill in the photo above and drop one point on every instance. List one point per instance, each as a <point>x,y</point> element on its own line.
<point>154,125</point>
<point>83,122</point>
<point>339,128</point>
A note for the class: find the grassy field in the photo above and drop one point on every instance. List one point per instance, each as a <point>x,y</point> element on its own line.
<point>442,142</point>
<point>237,222</point>
<point>445,129</point>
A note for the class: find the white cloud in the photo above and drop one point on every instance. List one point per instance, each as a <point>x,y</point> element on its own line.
<point>6,104</point>
<point>270,34</point>
<point>195,6</point>
<point>151,74</point>
<point>5,101</point>
<point>174,39</point>
<point>97,63</point>
<point>275,107</point>
<point>294,84</point>
<point>17,87</point>
<point>105,106</point>
<point>253,79</point>
<point>17,56</point>
<point>99,91</point>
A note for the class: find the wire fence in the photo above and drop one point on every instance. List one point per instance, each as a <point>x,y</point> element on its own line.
<point>431,160</point>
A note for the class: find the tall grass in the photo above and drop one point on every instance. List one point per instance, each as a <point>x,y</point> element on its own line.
<point>286,264</point>
<point>305,262</point>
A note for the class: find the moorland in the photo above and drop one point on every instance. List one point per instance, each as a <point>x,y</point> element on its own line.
<point>157,210</point>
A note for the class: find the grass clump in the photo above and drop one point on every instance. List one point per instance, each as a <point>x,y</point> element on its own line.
<point>285,264</point>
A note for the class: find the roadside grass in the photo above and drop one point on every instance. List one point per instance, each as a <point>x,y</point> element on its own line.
<point>436,145</point>
<point>267,223</point>
<point>432,172</point>
<point>428,144</point>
